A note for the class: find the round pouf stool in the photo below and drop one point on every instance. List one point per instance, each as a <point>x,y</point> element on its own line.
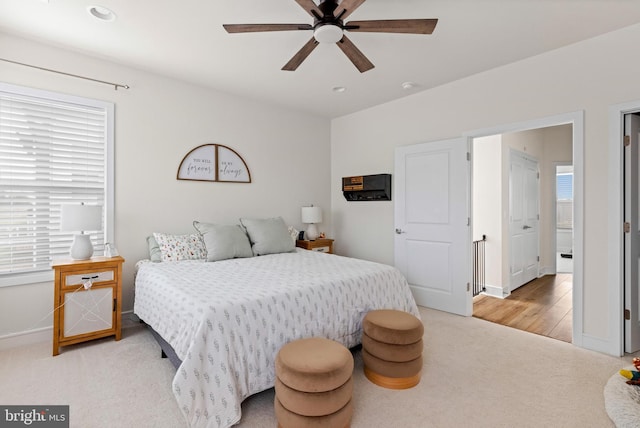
<point>392,348</point>
<point>314,384</point>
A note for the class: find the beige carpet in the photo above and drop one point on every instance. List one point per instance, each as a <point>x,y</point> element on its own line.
<point>476,374</point>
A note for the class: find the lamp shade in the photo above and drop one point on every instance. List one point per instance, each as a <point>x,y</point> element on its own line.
<point>311,214</point>
<point>79,218</point>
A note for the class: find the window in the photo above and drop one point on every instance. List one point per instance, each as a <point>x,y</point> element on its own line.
<point>55,149</point>
<point>564,198</point>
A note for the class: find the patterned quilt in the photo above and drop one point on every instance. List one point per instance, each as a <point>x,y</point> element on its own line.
<point>227,320</point>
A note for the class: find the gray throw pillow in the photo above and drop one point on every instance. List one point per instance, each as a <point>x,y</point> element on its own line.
<point>154,249</point>
<point>268,235</point>
<point>224,241</point>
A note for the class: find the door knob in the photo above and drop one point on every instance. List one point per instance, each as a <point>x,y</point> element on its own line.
<point>399,231</point>
<point>525,227</point>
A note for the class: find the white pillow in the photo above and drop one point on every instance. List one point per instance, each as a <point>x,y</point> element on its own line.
<point>268,235</point>
<point>224,241</point>
<point>174,248</point>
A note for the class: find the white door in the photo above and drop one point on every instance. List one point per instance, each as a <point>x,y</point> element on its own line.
<point>632,237</point>
<point>523,219</point>
<point>432,240</point>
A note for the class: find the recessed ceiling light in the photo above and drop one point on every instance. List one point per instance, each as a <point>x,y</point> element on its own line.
<point>339,89</point>
<point>101,13</point>
<point>409,85</point>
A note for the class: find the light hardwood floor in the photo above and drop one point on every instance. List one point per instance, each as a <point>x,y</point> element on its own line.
<point>542,306</point>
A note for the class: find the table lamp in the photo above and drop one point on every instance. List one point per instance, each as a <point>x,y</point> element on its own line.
<point>80,218</point>
<point>311,216</point>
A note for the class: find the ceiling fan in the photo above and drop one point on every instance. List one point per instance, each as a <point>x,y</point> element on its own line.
<point>329,27</point>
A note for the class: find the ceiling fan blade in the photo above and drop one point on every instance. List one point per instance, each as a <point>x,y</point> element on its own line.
<point>311,8</point>
<point>301,55</point>
<point>353,53</point>
<point>411,26</point>
<point>252,28</point>
<point>345,8</point>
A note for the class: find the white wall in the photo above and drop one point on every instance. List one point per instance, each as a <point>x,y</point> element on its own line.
<point>158,121</point>
<point>584,76</point>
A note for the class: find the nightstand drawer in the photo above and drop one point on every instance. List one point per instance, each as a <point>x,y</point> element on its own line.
<point>321,245</point>
<point>94,277</point>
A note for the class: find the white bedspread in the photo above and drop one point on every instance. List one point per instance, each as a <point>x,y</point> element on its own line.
<point>227,320</point>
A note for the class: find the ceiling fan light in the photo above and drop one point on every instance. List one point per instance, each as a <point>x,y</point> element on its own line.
<point>328,33</point>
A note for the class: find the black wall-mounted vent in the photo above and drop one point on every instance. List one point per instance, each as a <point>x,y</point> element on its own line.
<point>367,187</point>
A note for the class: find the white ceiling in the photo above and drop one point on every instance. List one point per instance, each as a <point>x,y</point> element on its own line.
<point>185,40</point>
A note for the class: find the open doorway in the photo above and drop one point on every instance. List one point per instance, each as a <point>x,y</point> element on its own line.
<point>543,305</point>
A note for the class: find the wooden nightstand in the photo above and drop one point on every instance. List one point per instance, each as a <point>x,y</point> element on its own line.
<point>321,245</point>
<point>81,314</point>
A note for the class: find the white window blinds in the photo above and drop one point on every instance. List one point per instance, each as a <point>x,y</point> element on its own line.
<point>53,151</point>
<point>564,200</point>
<point>564,189</point>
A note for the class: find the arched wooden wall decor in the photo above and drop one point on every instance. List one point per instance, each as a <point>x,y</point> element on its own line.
<point>214,162</point>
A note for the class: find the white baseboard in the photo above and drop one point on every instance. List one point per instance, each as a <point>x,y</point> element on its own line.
<point>495,291</point>
<point>23,338</point>
<point>45,334</point>
<point>546,270</point>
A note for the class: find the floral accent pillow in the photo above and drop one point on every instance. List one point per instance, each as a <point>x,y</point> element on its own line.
<point>174,248</point>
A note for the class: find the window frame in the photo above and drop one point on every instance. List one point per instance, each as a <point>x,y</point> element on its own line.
<point>24,278</point>
<point>560,202</point>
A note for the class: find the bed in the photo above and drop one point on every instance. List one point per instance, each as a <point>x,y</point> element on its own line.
<point>227,320</point>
